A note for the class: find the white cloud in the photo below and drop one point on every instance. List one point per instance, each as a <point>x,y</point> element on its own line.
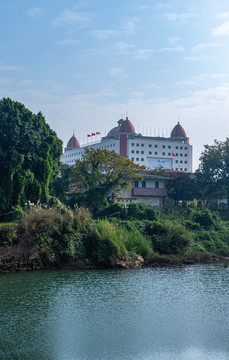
<point>173,40</point>
<point>67,41</point>
<point>5,68</point>
<point>116,72</point>
<point>204,46</point>
<point>5,81</point>
<point>35,12</point>
<point>185,83</point>
<point>25,83</point>
<point>199,58</point>
<point>178,18</point>
<point>104,34</point>
<point>141,7</point>
<point>221,29</point>
<point>72,20</point>
<point>143,53</point>
<point>124,48</point>
<point>129,25</point>
<point>147,53</point>
<point>223,15</point>
<point>175,49</point>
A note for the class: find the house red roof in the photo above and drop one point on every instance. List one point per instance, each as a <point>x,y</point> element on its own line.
<point>178,131</point>
<point>127,127</point>
<point>73,142</point>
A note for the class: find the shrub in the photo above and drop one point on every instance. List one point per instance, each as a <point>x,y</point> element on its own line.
<point>140,211</point>
<point>170,237</point>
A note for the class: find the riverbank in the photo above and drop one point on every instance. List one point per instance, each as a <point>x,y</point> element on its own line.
<point>54,238</point>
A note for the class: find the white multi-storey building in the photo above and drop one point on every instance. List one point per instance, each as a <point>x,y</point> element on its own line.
<point>172,152</point>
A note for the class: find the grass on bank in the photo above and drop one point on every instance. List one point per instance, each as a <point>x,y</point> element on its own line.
<point>57,236</point>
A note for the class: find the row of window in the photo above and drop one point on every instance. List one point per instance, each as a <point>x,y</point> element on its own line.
<point>137,159</point>
<point>81,152</point>
<point>136,184</point>
<point>156,153</point>
<point>181,169</point>
<point>163,146</point>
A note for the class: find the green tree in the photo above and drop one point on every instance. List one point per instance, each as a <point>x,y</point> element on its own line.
<point>213,172</point>
<point>101,172</point>
<point>61,184</point>
<point>182,186</point>
<point>29,155</point>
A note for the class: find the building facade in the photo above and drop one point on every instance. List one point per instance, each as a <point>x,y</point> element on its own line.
<point>174,152</point>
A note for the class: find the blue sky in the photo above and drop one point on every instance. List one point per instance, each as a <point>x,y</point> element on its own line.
<point>86,64</point>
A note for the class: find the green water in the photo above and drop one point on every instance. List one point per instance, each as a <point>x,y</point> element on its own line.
<point>164,314</point>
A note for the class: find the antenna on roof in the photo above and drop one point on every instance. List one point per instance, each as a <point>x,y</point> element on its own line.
<point>73,132</point>
<point>178,119</point>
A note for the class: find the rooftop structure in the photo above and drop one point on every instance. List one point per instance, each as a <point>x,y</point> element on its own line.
<point>174,152</point>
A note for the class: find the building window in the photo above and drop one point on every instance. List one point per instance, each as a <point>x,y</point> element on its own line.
<point>181,162</point>
<point>136,184</point>
<point>169,147</point>
<point>137,159</point>
<point>185,155</point>
<point>176,154</point>
<point>143,184</point>
<point>169,154</point>
<point>132,144</point>
<point>176,161</point>
<point>132,151</point>
<point>181,169</point>
<point>185,169</point>
<point>150,145</point>
<point>137,152</point>
<point>142,152</point>
<point>163,153</point>
<point>181,147</point>
<point>176,147</point>
<point>181,154</point>
<point>155,153</point>
<point>176,169</point>
<point>186,148</point>
<point>156,146</point>
<point>163,146</point>
<point>156,184</point>
<point>137,144</point>
<point>132,159</point>
<point>185,162</point>
<point>150,152</point>
<point>142,159</point>
<point>142,145</point>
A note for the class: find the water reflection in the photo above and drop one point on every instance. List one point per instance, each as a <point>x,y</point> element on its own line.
<point>178,313</point>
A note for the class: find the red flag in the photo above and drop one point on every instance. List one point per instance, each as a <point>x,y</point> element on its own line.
<point>173,154</point>
<point>97,133</point>
<point>88,135</point>
<point>93,134</point>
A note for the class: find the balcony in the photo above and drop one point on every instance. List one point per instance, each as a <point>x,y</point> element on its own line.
<point>149,192</point>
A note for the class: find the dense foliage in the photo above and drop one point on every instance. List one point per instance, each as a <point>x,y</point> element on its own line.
<point>58,236</point>
<point>102,172</point>
<point>213,172</point>
<point>29,156</point>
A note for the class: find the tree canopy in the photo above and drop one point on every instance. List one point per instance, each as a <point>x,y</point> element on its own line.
<point>29,155</point>
<point>213,171</point>
<point>182,186</point>
<point>101,172</point>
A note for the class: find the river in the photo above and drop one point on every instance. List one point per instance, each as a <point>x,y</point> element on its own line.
<point>146,314</point>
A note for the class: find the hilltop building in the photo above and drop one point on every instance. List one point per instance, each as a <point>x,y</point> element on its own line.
<point>174,152</point>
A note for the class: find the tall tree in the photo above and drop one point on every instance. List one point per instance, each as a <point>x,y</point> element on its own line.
<point>29,155</point>
<point>101,172</point>
<point>182,186</point>
<point>213,172</point>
